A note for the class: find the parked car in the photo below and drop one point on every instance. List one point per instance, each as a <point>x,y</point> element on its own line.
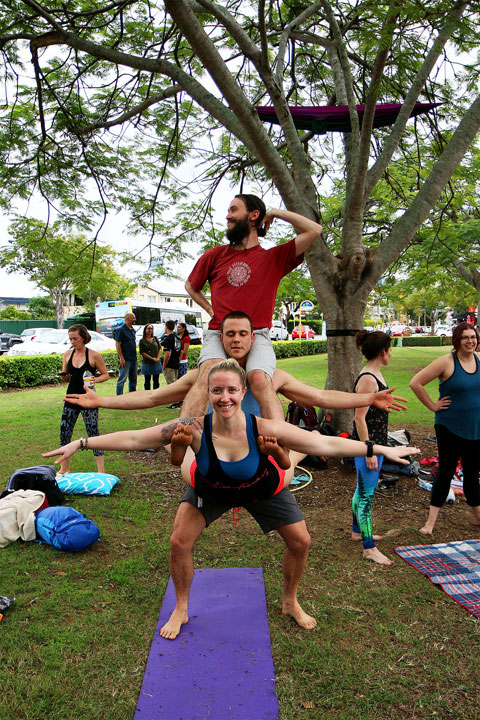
<point>57,341</point>
<point>443,331</point>
<point>8,340</point>
<point>306,332</point>
<point>196,334</point>
<point>400,330</point>
<point>278,331</point>
<point>32,333</point>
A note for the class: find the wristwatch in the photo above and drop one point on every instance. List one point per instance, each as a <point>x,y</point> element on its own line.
<point>369,445</point>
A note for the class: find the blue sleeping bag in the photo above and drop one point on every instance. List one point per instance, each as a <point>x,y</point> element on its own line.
<point>65,528</point>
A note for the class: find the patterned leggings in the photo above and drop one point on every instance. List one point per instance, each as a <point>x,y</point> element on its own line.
<point>362,500</point>
<point>69,418</point>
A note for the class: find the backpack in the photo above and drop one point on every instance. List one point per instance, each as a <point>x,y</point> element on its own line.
<point>301,415</point>
<point>38,477</point>
<point>65,528</point>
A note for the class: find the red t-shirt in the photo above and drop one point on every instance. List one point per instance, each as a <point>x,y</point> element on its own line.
<point>245,280</point>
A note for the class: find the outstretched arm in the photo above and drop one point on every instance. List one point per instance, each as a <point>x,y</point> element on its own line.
<point>313,443</point>
<point>298,391</point>
<point>153,437</point>
<point>307,230</point>
<point>139,399</point>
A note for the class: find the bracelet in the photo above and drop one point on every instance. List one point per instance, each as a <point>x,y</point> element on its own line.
<point>369,445</point>
<point>83,443</point>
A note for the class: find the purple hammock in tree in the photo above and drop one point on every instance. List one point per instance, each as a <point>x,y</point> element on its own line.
<point>329,118</point>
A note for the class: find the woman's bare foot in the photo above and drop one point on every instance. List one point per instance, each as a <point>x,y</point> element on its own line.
<point>173,625</point>
<point>426,529</point>
<point>358,536</point>
<point>269,446</point>
<point>375,555</point>
<point>181,439</point>
<point>307,622</point>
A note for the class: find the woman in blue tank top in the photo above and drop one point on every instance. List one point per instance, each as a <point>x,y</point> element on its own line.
<point>457,419</point>
<point>234,451</point>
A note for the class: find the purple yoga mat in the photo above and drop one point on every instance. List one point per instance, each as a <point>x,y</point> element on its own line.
<point>220,666</point>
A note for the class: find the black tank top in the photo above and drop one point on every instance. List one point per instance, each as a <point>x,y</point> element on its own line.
<point>75,386</point>
<point>376,419</point>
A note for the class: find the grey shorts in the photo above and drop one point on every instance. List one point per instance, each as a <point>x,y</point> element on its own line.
<point>260,357</point>
<point>281,509</point>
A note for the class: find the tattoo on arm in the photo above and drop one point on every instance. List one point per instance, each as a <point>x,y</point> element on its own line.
<point>167,431</point>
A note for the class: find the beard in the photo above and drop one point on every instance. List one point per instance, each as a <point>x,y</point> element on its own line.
<point>238,232</point>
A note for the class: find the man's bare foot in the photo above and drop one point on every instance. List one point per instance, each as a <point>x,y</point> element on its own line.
<point>269,446</point>
<point>172,627</point>
<point>358,536</point>
<point>181,439</point>
<point>307,622</point>
<point>375,555</point>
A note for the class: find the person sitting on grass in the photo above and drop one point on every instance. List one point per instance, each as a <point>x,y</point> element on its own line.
<point>227,443</point>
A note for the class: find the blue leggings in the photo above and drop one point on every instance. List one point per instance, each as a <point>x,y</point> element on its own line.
<point>362,500</point>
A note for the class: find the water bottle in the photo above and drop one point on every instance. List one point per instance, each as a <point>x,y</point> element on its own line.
<point>425,485</point>
<point>428,486</point>
<point>87,379</point>
<point>450,497</point>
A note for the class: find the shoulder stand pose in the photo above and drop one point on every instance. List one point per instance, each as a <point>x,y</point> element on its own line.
<point>245,275</point>
<point>76,362</point>
<point>457,419</point>
<point>371,426</point>
<point>230,448</point>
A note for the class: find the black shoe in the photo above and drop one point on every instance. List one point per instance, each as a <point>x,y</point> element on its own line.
<point>174,406</point>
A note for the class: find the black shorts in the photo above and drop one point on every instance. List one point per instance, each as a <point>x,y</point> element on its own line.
<point>281,509</point>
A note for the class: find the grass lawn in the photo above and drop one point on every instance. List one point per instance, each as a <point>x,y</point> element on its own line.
<point>74,645</point>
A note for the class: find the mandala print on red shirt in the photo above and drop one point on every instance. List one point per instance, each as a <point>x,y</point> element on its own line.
<point>238,274</point>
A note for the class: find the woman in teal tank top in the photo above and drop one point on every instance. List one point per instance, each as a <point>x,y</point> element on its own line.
<point>457,419</point>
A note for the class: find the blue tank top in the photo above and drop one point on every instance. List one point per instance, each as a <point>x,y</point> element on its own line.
<point>239,470</point>
<point>462,416</point>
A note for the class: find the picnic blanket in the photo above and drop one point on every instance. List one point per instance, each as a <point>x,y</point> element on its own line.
<point>454,566</point>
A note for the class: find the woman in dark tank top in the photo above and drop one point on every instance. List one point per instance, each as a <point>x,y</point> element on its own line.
<point>80,365</point>
<point>370,425</point>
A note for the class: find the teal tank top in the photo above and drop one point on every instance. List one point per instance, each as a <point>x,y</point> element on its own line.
<point>462,416</point>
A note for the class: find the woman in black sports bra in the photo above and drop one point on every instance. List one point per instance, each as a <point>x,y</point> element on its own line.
<point>370,425</point>
<point>80,365</point>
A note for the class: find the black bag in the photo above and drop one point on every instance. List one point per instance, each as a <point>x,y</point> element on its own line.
<point>301,415</point>
<point>39,477</point>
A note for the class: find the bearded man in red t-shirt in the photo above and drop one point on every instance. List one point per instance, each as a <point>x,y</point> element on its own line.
<point>244,276</point>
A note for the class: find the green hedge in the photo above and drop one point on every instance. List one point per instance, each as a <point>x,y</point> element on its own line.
<point>29,371</point>
<point>25,371</point>
<point>424,341</point>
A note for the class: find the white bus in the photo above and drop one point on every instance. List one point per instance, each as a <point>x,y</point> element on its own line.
<point>111,313</point>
